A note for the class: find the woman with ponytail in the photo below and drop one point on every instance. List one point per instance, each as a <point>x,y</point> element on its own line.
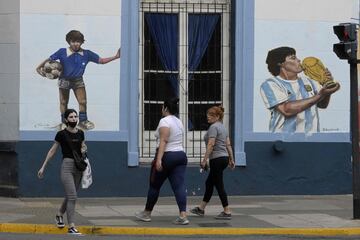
<point>169,163</point>
<point>220,155</point>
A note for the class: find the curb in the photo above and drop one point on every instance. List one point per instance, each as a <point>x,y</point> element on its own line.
<point>50,229</point>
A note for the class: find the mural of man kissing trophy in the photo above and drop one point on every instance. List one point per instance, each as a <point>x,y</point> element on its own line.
<point>293,100</point>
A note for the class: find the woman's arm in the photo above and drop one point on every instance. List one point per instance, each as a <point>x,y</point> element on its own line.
<point>49,156</point>
<point>164,137</point>
<point>209,149</point>
<point>230,152</point>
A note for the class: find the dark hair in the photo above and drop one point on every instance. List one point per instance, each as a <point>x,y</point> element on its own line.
<point>172,105</point>
<point>277,56</point>
<point>67,113</point>
<point>217,111</point>
<point>74,35</point>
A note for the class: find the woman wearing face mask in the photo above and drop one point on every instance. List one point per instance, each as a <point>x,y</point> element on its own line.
<point>70,175</point>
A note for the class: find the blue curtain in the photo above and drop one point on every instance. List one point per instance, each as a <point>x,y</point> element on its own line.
<point>201,28</point>
<point>165,33</point>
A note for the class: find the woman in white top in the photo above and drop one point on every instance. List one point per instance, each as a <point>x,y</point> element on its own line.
<point>169,163</point>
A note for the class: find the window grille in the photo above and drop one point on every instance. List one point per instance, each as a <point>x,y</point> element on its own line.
<point>199,89</point>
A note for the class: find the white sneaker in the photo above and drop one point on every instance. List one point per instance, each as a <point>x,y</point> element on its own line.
<point>59,221</point>
<point>143,216</point>
<point>73,231</point>
<point>181,221</point>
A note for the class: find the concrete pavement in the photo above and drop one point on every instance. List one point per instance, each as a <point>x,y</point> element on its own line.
<point>300,215</point>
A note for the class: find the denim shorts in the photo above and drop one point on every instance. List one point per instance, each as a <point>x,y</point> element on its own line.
<point>73,83</point>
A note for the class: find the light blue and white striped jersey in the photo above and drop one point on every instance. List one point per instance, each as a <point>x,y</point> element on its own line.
<point>277,90</point>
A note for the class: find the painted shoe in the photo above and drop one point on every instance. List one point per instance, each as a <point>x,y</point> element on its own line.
<point>60,126</point>
<point>86,125</point>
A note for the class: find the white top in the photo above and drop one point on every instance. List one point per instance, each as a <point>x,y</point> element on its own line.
<point>175,141</point>
<point>276,90</point>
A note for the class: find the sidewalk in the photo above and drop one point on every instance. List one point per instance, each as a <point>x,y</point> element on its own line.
<point>300,215</point>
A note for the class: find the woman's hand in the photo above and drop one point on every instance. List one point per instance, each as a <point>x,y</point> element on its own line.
<point>83,148</point>
<point>203,163</point>
<point>158,165</point>
<point>41,173</point>
<point>232,163</point>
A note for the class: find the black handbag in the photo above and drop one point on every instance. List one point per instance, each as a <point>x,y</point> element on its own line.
<point>79,159</point>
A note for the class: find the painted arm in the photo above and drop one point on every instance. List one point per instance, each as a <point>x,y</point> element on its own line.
<point>291,108</point>
<point>41,65</point>
<point>109,59</point>
<point>49,156</point>
<point>164,137</point>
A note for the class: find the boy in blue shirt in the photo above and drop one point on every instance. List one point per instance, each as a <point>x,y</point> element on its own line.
<point>74,60</point>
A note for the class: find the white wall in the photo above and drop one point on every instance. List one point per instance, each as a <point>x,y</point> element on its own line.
<point>9,70</point>
<point>44,25</point>
<point>305,25</point>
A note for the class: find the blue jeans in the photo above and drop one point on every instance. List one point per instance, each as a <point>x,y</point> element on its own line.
<point>174,168</point>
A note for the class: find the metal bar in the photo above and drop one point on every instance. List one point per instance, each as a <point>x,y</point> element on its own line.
<point>355,137</point>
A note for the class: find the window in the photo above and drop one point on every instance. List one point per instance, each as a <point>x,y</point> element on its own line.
<point>184,53</point>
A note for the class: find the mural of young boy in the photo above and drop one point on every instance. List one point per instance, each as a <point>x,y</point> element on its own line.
<point>293,100</point>
<point>74,60</point>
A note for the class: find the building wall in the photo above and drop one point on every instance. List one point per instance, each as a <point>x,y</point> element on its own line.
<point>314,164</point>
<point>302,164</point>
<point>9,69</point>
<point>291,169</point>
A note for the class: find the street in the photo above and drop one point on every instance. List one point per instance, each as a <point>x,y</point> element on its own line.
<point>11,236</point>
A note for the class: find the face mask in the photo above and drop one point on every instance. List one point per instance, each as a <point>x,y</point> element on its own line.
<point>72,124</point>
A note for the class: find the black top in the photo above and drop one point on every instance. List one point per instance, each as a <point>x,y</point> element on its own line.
<point>76,138</point>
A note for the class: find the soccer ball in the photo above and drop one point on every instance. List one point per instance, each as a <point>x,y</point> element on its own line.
<point>52,69</point>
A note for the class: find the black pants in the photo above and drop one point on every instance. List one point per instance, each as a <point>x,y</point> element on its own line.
<point>215,178</point>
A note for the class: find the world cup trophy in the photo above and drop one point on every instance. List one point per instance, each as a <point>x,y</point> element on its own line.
<point>315,69</point>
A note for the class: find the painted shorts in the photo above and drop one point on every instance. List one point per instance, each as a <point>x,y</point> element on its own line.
<point>71,83</point>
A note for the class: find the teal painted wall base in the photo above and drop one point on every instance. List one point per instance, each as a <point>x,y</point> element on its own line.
<point>297,168</point>
<point>287,168</point>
